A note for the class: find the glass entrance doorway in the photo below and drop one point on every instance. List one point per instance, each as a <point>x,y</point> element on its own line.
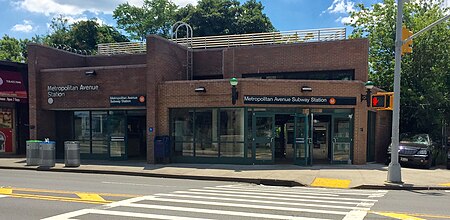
<point>263,137</point>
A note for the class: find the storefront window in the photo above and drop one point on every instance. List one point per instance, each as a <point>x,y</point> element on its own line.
<point>99,132</point>
<point>205,129</point>
<point>82,128</point>
<point>6,120</point>
<point>232,132</point>
<point>183,131</point>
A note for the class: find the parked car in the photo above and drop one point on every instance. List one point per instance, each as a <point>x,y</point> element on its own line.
<point>414,149</point>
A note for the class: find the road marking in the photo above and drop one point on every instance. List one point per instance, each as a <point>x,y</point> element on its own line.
<point>138,184</point>
<point>398,215</point>
<point>5,191</point>
<point>355,215</point>
<point>240,189</point>
<point>413,214</point>
<point>262,201</point>
<point>301,190</point>
<point>212,211</point>
<point>265,197</point>
<point>284,196</point>
<point>72,192</point>
<point>57,198</point>
<point>331,183</point>
<point>70,215</point>
<point>445,184</point>
<point>222,204</point>
<point>91,197</point>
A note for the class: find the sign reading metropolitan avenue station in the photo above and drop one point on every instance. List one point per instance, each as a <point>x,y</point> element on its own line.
<point>299,100</point>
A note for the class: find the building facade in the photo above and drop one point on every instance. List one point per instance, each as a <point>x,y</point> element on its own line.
<point>13,108</point>
<point>295,103</point>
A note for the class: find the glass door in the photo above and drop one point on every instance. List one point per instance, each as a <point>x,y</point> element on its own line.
<point>301,147</point>
<point>263,137</point>
<point>117,134</point>
<point>342,134</point>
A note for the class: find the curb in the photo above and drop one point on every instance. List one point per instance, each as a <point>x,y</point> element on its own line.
<point>401,187</point>
<point>269,182</point>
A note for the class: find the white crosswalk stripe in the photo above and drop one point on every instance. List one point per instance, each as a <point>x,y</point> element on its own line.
<point>241,201</point>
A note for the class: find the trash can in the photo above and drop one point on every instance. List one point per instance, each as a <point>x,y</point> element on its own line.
<point>48,150</point>
<point>33,153</point>
<point>72,153</point>
<point>162,148</point>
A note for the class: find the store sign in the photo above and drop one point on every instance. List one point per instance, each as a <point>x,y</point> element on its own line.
<point>299,100</point>
<point>60,91</point>
<point>12,88</point>
<point>127,100</point>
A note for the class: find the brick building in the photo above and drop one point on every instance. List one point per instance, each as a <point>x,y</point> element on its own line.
<point>296,103</point>
<point>13,108</point>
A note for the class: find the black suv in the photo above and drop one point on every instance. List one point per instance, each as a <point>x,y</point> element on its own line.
<point>414,149</point>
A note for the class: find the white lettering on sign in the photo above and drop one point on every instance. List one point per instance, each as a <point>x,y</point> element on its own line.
<point>60,91</point>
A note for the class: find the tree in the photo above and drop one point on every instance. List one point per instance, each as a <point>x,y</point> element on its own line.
<point>218,17</point>
<point>425,87</point>
<point>154,17</point>
<point>81,35</point>
<point>10,49</point>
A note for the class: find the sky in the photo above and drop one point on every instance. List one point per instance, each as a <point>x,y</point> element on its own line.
<point>27,18</point>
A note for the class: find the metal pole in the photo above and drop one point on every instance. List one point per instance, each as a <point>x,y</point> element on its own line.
<point>394,169</point>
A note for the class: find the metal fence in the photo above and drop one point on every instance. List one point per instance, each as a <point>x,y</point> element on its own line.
<point>285,37</point>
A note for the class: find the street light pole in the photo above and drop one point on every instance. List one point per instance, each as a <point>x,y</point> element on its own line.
<point>394,169</point>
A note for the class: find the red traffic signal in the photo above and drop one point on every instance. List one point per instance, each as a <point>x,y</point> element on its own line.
<point>382,101</point>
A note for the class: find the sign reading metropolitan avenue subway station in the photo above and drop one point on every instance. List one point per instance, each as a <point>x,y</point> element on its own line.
<point>299,100</point>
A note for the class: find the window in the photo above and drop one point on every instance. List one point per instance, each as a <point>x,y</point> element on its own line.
<point>316,75</point>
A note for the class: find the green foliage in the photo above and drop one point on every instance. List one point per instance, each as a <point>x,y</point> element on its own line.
<point>218,17</point>
<point>12,49</point>
<point>154,17</point>
<point>425,84</point>
<point>81,35</point>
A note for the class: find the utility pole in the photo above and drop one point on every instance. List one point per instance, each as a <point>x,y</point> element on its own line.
<point>394,169</point>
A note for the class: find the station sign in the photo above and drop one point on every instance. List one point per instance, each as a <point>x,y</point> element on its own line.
<point>299,100</point>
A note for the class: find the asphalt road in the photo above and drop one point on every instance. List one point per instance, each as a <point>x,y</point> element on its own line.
<point>49,195</point>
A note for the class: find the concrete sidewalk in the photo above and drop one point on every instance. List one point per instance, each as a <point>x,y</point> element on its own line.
<point>370,176</point>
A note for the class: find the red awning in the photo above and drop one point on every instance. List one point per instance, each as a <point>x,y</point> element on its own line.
<point>12,87</point>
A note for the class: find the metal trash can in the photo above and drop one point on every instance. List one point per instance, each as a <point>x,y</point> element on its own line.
<point>33,153</point>
<point>48,150</point>
<point>162,148</point>
<point>72,153</point>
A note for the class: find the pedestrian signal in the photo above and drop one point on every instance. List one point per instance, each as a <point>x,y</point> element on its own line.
<point>383,101</point>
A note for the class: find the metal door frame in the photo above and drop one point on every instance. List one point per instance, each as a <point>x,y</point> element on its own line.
<point>333,139</point>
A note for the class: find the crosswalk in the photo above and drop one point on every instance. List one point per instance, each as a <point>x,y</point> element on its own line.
<point>239,201</point>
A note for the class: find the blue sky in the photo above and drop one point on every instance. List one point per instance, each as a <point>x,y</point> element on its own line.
<point>27,18</point>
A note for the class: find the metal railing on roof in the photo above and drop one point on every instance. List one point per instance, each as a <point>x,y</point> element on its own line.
<point>285,37</point>
<point>122,48</point>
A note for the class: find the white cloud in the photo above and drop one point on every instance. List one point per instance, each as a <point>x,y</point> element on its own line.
<point>25,27</point>
<point>70,7</point>
<point>345,20</point>
<point>341,7</point>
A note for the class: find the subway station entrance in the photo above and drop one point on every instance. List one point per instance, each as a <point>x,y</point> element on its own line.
<point>302,139</point>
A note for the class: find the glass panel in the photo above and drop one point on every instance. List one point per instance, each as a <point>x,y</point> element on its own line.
<point>232,150</point>
<point>263,151</point>
<point>182,124</point>
<point>341,151</point>
<point>82,126</point>
<point>85,147</point>
<point>264,127</point>
<point>117,127</point>
<point>249,150</point>
<point>100,147</point>
<point>206,149</point>
<point>232,125</point>
<point>300,138</point>
<point>342,128</point>
<point>99,125</point>
<point>203,128</point>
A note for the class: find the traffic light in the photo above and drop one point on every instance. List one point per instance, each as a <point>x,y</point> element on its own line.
<point>383,101</point>
<point>406,46</point>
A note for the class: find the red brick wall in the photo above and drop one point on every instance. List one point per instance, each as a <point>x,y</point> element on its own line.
<point>316,56</point>
<point>218,94</point>
<point>166,61</point>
